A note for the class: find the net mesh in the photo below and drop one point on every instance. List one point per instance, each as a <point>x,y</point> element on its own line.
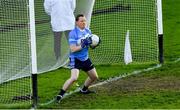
<point>111,19</point>
<point>14,53</point>
<point>46,59</point>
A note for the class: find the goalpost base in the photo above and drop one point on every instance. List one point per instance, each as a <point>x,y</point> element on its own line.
<point>160,42</point>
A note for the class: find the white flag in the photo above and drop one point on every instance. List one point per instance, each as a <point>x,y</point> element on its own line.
<point>127,50</point>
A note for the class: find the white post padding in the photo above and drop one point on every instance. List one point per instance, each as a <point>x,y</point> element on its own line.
<point>159,17</point>
<point>32,37</point>
<point>127,50</point>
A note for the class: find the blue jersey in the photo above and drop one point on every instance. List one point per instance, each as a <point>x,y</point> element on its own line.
<point>74,36</point>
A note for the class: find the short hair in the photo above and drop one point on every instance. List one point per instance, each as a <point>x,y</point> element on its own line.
<point>78,16</point>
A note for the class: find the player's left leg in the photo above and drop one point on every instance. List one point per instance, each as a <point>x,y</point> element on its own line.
<point>68,83</point>
<point>92,76</point>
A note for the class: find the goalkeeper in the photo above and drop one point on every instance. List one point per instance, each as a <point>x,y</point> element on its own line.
<point>79,57</point>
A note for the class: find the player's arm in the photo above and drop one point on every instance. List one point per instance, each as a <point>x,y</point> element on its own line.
<point>83,44</point>
<point>75,48</point>
<point>73,42</point>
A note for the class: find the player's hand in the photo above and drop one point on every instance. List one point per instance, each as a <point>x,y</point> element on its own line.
<point>86,42</point>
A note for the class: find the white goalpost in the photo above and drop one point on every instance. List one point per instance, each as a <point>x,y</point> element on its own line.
<point>131,31</point>
<point>33,53</point>
<point>160,30</point>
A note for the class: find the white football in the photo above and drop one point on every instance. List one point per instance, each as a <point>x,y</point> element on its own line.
<point>95,40</point>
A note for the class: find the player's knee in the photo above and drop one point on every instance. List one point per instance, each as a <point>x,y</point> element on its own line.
<point>74,79</point>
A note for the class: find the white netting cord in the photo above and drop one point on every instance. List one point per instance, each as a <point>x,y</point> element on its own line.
<point>14,47</point>
<point>112,19</point>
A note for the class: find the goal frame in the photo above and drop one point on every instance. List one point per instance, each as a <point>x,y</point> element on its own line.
<point>160,31</point>
<point>33,53</point>
<point>33,45</point>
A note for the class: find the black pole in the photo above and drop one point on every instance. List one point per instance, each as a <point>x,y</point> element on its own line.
<point>161,55</point>
<point>34,90</point>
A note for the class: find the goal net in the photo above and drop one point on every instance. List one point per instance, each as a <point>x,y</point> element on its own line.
<point>14,53</point>
<point>111,20</point>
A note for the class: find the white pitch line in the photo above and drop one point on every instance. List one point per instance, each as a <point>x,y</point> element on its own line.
<point>177,60</point>
<point>65,95</point>
<point>110,80</point>
<point>104,82</point>
<point>126,75</point>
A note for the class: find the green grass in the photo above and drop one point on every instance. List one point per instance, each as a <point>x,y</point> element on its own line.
<point>59,76</point>
<point>114,25</point>
<point>157,89</point>
<point>171,20</point>
<point>10,93</point>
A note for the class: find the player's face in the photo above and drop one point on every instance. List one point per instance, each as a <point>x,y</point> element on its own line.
<point>81,23</point>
